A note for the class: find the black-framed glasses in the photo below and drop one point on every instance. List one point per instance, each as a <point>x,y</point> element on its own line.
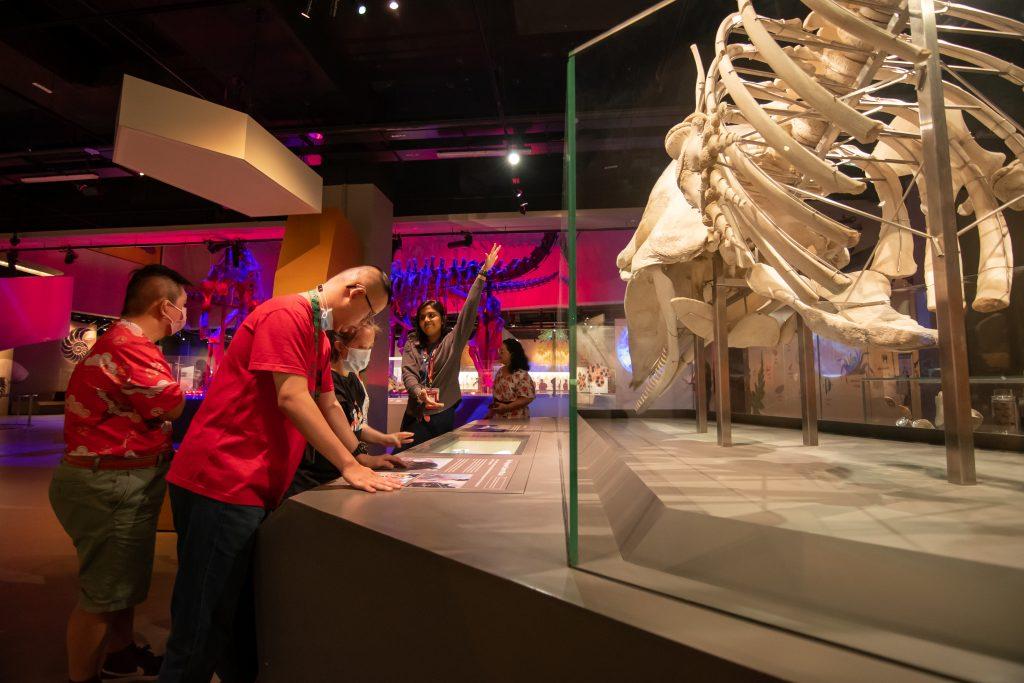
<point>369,304</point>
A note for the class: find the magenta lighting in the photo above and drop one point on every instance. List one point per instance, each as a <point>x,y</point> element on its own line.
<point>315,137</point>
<point>313,159</point>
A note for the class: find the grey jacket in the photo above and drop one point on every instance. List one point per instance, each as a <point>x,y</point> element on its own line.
<point>447,354</point>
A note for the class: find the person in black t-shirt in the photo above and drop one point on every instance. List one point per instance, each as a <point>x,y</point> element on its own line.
<point>350,354</point>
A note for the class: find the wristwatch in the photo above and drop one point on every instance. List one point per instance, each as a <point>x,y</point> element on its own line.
<point>361,449</point>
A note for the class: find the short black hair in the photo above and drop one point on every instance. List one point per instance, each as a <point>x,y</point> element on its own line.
<point>149,284</point>
<point>385,281</point>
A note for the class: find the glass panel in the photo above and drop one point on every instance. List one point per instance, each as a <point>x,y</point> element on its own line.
<point>860,541</point>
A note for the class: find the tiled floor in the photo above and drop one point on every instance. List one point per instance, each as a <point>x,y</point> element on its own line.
<point>37,561</point>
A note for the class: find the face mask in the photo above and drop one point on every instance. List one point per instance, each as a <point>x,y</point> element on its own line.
<point>179,324</point>
<point>357,360</point>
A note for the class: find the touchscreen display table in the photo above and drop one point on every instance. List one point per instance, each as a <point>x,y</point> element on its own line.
<point>469,462</point>
<point>473,444</point>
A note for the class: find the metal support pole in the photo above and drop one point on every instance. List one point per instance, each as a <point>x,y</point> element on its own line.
<point>808,383</point>
<point>941,222</point>
<point>723,405</point>
<point>700,380</point>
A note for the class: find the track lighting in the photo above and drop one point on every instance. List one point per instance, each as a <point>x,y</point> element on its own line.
<point>393,5</point>
<point>466,241</point>
<point>361,9</point>
<point>307,13</point>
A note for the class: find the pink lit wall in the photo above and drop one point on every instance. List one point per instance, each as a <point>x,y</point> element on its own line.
<point>34,309</point>
<point>598,278</point>
<point>100,279</point>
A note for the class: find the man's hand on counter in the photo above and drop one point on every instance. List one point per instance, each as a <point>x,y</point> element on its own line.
<point>384,462</point>
<point>362,477</point>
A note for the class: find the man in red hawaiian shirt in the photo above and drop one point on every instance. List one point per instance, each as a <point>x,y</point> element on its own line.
<point>109,487</point>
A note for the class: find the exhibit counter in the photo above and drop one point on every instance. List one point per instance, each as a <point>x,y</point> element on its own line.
<point>463,575</point>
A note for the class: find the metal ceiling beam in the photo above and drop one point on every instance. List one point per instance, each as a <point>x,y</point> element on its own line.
<point>118,14</point>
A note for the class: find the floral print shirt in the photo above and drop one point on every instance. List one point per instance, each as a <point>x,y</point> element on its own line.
<point>511,386</point>
<point>117,397</point>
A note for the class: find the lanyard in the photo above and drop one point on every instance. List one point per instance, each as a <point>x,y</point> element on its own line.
<point>429,358</point>
<point>314,302</point>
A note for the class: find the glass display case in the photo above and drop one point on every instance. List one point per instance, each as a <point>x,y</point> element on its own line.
<point>858,539</point>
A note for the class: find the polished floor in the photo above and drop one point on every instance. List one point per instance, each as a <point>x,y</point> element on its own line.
<point>37,561</point>
<point>873,491</point>
<point>858,541</point>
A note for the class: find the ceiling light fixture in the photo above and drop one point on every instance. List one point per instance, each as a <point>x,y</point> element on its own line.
<point>305,14</point>
<point>26,269</point>
<point>520,195</point>
<point>361,9</point>
<point>42,87</point>
<point>393,5</point>
<point>141,173</point>
<point>513,158</point>
<point>59,178</point>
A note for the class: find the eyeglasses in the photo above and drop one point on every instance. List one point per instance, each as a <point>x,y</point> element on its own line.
<point>369,304</point>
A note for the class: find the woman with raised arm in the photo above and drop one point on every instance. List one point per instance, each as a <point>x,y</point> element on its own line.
<point>430,362</point>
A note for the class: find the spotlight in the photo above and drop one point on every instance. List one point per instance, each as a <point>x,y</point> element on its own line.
<point>305,14</point>
<point>513,158</point>
<point>316,137</point>
<point>520,195</point>
<point>15,240</point>
<point>141,173</point>
<point>70,256</point>
<point>393,5</point>
<point>466,241</point>
<point>361,9</point>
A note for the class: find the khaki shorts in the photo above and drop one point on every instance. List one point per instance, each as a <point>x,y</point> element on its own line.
<point>111,516</point>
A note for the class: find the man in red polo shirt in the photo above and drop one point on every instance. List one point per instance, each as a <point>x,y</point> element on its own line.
<point>109,486</point>
<point>272,393</point>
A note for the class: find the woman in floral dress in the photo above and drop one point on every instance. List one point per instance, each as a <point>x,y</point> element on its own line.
<point>513,387</point>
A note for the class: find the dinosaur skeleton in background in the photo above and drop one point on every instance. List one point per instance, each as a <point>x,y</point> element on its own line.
<point>779,122</point>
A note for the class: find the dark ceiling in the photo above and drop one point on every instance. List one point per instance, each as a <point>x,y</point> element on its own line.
<point>389,91</point>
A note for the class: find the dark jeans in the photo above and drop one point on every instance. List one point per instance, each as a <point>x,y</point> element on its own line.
<point>213,616</point>
<point>439,424</point>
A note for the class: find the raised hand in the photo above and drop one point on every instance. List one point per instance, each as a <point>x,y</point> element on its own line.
<point>492,256</point>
